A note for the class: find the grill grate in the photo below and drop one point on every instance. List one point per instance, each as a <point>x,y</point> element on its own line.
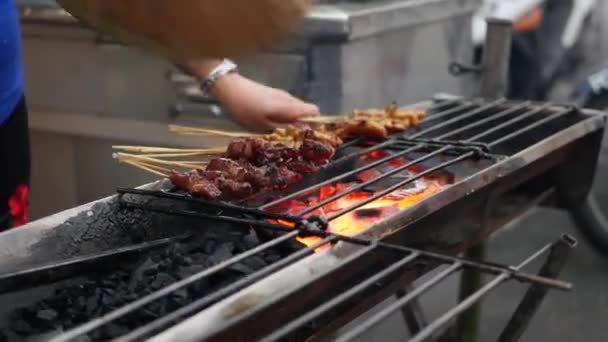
<point>455,132</point>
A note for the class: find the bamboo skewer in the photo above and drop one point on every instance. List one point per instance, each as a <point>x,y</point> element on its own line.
<point>139,158</point>
<point>158,173</point>
<point>325,119</point>
<point>187,130</point>
<point>146,149</point>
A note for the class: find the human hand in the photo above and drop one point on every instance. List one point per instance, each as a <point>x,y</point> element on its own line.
<point>257,106</point>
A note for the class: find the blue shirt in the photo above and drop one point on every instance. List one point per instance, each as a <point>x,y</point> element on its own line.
<point>11,69</point>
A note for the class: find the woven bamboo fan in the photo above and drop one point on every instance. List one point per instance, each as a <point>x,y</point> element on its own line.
<point>187,29</point>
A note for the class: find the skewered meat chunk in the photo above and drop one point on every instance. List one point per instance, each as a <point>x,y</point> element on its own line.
<point>302,167</point>
<point>229,168</point>
<point>368,128</point>
<point>316,152</point>
<point>233,189</point>
<point>195,184</point>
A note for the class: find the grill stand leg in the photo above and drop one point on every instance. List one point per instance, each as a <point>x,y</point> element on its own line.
<point>494,84</point>
<point>558,256</point>
<point>412,313</point>
<point>467,326</point>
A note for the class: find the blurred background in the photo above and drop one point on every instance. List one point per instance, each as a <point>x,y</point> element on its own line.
<point>87,92</point>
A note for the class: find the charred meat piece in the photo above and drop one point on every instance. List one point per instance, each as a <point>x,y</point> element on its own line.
<point>229,168</point>
<point>242,149</point>
<point>257,176</point>
<point>274,153</point>
<point>316,152</point>
<point>323,137</point>
<point>302,167</point>
<point>195,185</point>
<point>232,189</point>
<point>368,128</point>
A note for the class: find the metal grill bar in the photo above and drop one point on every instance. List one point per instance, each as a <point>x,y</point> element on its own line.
<point>464,116</point>
<point>434,326</point>
<point>448,112</point>
<point>490,118</point>
<point>372,181</point>
<point>533,126</point>
<point>341,298</point>
<point>231,219</point>
<point>517,119</point>
<point>218,205</point>
<point>343,176</point>
<point>399,185</point>
<point>400,303</point>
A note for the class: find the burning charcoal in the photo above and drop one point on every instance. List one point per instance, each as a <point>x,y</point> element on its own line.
<point>47,315</point>
<point>92,304</point>
<point>242,268</point>
<point>21,327</point>
<point>251,240</point>
<point>209,246</point>
<point>162,280</point>
<point>115,330</point>
<point>198,258</point>
<point>255,262</point>
<point>272,257</point>
<point>185,272</point>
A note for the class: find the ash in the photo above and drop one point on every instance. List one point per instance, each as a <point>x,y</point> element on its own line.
<point>94,296</point>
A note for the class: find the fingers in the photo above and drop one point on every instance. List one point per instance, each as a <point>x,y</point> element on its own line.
<point>294,112</point>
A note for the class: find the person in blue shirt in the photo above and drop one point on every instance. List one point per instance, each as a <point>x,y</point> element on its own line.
<point>251,104</point>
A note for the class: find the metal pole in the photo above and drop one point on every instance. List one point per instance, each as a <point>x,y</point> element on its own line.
<point>496,58</point>
<point>494,84</point>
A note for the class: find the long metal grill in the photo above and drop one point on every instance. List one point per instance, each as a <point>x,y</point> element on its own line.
<point>455,132</point>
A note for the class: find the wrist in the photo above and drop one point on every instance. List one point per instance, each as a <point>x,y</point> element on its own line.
<point>201,69</point>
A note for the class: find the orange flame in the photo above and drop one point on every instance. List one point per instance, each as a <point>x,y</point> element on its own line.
<point>363,217</point>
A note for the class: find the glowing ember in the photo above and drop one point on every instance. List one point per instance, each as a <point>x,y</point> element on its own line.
<point>357,220</point>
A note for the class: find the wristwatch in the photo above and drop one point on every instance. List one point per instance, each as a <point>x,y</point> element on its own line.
<point>226,67</point>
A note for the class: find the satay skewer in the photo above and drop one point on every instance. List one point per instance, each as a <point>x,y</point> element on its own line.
<point>139,158</point>
<point>187,130</point>
<point>145,168</point>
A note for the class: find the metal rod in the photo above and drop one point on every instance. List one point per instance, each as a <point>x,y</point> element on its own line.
<point>342,176</point>
<point>533,126</point>
<point>448,112</point>
<point>558,256</point>
<point>118,313</point>
<point>494,84</point>
<point>508,123</point>
<point>340,299</point>
<point>189,213</point>
<point>470,281</point>
<point>492,268</point>
<point>496,58</point>
<point>412,312</point>
<point>219,205</point>
<point>471,300</point>
<point>459,118</point>
<point>160,323</point>
<point>382,315</point>
<point>490,118</point>
<point>362,185</point>
<point>398,185</point>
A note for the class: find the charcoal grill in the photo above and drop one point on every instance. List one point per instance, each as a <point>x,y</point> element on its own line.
<point>506,157</point>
